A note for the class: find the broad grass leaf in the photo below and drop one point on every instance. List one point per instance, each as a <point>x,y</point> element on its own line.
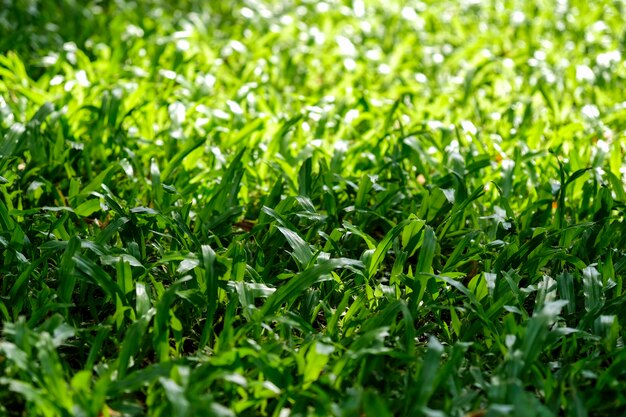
<point>411,235</point>
<point>5,218</point>
<point>383,247</point>
<point>567,291</point>
<point>67,276</point>
<point>428,372</point>
<point>176,396</point>
<point>96,183</point>
<point>161,325</point>
<point>459,254</point>
<point>110,230</point>
<point>87,208</point>
<point>132,342</point>
<point>208,259</point>
<point>91,271</point>
<point>301,250</point>
<point>140,378</point>
<point>370,241</point>
<point>176,161</point>
<point>592,288</point>
<point>424,265</point>
<point>316,358</point>
<point>296,286</point>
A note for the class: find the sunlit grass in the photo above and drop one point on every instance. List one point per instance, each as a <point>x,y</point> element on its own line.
<point>312,208</point>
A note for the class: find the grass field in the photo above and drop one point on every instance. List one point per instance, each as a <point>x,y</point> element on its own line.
<point>304,208</point>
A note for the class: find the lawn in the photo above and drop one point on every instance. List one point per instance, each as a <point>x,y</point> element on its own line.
<point>356,208</point>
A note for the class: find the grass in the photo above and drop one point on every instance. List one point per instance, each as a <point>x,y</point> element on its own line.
<point>306,208</point>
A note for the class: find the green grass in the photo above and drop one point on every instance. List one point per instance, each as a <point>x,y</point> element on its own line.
<point>302,208</point>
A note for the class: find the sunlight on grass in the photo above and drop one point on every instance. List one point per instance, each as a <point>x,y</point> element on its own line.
<point>303,208</point>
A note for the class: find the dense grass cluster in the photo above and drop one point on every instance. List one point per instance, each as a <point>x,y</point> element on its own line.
<point>305,208</point>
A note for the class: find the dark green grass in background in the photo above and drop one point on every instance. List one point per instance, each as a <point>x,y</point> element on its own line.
<point>304,208</point>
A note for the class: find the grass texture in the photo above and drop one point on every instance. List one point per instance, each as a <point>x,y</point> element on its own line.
<point>312,208</point>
